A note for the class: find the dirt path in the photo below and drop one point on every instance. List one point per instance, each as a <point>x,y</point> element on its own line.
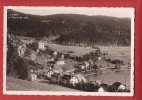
<point>23,85</point>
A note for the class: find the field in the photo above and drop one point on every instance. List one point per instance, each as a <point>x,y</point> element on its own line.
<point>113,52</point>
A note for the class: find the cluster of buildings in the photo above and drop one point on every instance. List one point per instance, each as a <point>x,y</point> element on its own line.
<point>78,81</point>
<point>65,78</point>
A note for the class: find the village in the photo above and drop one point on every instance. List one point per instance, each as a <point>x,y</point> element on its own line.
<point>70,68</point>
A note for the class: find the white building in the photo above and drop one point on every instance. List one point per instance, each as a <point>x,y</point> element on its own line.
<point>41,46</point>
<point>76,79</point>
<point>21,50</point>
<point>32,77</point>
<point>60,62</point>
<point>49,74</point>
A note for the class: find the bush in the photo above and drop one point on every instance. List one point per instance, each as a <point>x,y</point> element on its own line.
<point>87,57</point>
<point>108,59</point>
<point>31,46</point>
<point>67,56</point>
<point>114,60</point>
<point>98,53</point>
<point>95,47</point>
<point>70,51</point>
<point>117,61</point>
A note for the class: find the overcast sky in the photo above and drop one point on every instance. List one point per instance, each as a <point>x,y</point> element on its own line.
<point>115,12</point>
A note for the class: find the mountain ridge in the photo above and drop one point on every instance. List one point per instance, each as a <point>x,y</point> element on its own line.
<point>101,30</point>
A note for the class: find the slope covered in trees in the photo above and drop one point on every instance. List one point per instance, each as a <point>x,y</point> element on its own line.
<point>72,28</point>
<point>16,65</point>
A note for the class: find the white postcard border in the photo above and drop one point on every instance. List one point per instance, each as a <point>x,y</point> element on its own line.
<point>81,93</point>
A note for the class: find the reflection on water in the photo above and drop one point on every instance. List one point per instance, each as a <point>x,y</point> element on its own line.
<point>112,77</point>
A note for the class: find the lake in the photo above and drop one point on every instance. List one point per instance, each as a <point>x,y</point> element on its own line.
<point>112,77</point>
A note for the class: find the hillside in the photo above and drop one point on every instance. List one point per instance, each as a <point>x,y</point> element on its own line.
<point>23,85</point>
<point>72,28</point>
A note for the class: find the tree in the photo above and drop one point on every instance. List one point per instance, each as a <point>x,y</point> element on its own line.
<point>16,66</point>
<point>98,52</point>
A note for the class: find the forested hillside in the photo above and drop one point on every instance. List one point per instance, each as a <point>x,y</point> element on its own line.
<point>72,29</point>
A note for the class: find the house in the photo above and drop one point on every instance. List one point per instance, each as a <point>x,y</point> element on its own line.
<point>60,61</point>
<point>49,74</point>
<point>103,88</point>
<point>96,68</point>
<point>55,53</point>
<point>72,80</point>
<point>95,85</point>
<point>83,66</point>
<point>32,77</point>
<point>81,78</point>
<point>121,88</point>
<point>21,50</point>
<point>99,58</point>
<point>65,80</point>
<point>77,79</point>
<point>17,44</point>
<point>62,56</point>
<point>39,45</point>
<point>55,78</point>
<point>79,67</point>
<point>86,64</point>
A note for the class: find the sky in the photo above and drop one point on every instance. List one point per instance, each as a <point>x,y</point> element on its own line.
<point>91,11</point>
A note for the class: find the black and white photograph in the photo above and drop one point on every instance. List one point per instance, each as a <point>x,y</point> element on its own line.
<point>80,51</point>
